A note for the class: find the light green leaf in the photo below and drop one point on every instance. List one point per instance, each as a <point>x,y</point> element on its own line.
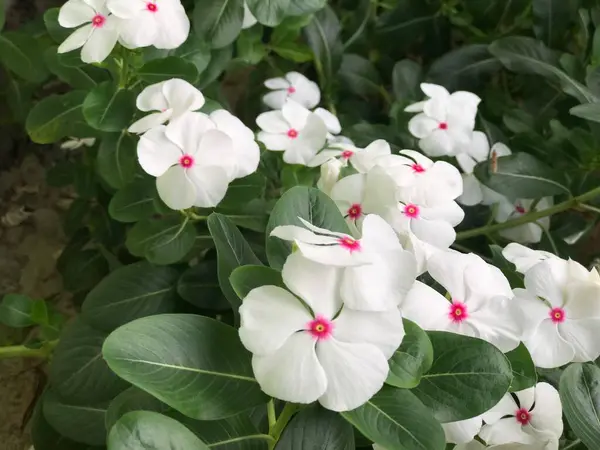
<point>523,369</point>
<point>269,12</point>
<point>587,111</point>
<point>406,79</point>
<point>293,51</point>
<point>243,190</point>
<point>199,285</point>
<point>164,69</point>
<point>245,278</point>
<point>218,22</point>
<point>412,359</point>
<point>359,75</point>
<point>250,47</point>
<point>134,202</point>
<point>174,358</point>
<point>117,159</point>
<point>323,36</point>
<point>15,311</point>
<point>107,107</point>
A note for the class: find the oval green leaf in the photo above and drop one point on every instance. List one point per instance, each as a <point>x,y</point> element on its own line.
<point>359,75</point>
<point>117,159</point>
<point>412,359</point>
<point>199,285</point>
<point>134,202</point>
<point>406,80</point>
<point>23,54</point>
<point>218,21</point>
<point>15,311</point>
<point>132,399</point>
<point>523,369</point>
<point>245,278</point>
<point>269,12</point>
<point>108,107</point>
<point>164,69</point>
<point>323,37</point>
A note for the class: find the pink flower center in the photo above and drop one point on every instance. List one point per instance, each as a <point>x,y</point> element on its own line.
<point>355,211</point>
<point>347,154</point>
<point>349,244</point>
<point>523,416</point>
<point>457,312</point>
<point>186,161</point>
<point>291,90</point>
<point>443,126</point>
<point>320,328</point>
<point>418,168</point>
<point>520,209</point>
<point>151,7</point>
<point>98,20</point>
<point>292,134</point>
<point>411,211</point>
<point>557,315</point>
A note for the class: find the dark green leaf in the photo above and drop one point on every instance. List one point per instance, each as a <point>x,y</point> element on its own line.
<point>15,311</point>
<point>174,358</point>
<point>406,78</point>
<point>250,47</point>
<point>587,111</point>
<point>308,203</point>
<point>195,50</point>
<point>19,98</point>
<point>117,159</point>
<point>143,430</point>
<point>44,437</point>
<point>130,292</point>
<point>412,359</point>
<point>219,59</point>
<point>218,22</point>
<point>23,55</point>
<point>269,12</point>
<point>551,18</point>
<point>78,77</point>
<point>108,107</point>
<point>523,369</point>
<point>323,36</point>
<point>245,278</point>
<point>315,428</point>
<point>293,51</point>
<point>461,361</point>
<point>164,69</point>
<point>508,269</point>
<point>134,202</point>
<point>244,190</point>
<point>521,175</point>
<point>359,75</point>
<point>83,269</point>
<point>55,31</point>
<point>396,419</point>
<point>199,285</point>
<point>132,399</point>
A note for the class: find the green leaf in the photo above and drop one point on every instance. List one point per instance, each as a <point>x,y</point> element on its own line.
<point>23,55</point>
<point>78,77</point>
<point>3,8</point>
<point>315,428</point>
<point>412,359</point>
<point>134,202</point>
<point>164,69</point>
<point>300,7</point>
<point>163,241</point>
<point>219,59</point>
<point>218,22</point>
<point>130,292</point>
<point>293,51</point>
<point>56,117</point>
<point>117,159</point>
<point>19,98</point>
<point>308,203</point>
<point>250,47</point>
<point>508,269</point>
<point>199,285</point>
<point>44,437</point>
<point>323,37</point>
<point>132,399</point>
<point>359,75</point>
<point>521,175</point>
<point>78,372</point>
<point>406,79</point>
<point>587,111</point>
<point>55,31</point>
<point>269,12</point>
<point>174,358</point>
<point>245,278</point>
<point>523,369</point>
<point>551,18</point>
<point>461,361</point>
<point>143,430</point>
<point>243,190</point>
<point>83,269</point>
<point>15,311</point>
<point>108,107</point>
<point>526,55</point>
<point>465,68</point>
<point>80,422</point>
<point>233,251</point>
<point>580,397</point>
<point>195,50</point>
<point>396,419</point>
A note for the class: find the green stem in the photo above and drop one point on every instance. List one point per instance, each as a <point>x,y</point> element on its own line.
<point>531,217</point>
<point>20,351</point>
<point>573,444</point>
<point>288,411</point>
<point>362,25</point>
<point>589,208</point>
<point>271,415</point>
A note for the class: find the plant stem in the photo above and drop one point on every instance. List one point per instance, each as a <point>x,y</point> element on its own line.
<point>275,432</point>
<point>20,351</point>
<point>271,415</point>
<point>573,444</point>
<point>370,7</point>
<point>531,217</point>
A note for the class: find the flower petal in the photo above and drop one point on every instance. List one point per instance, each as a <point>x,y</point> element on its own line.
<point>582,335</point>
<point>546,415</point>
<point>435,232</point>
<point>74,13</point>
<point>505,431</point>
<point>582,300</point>
<point>364,160</point>
<point>426,307</point>
<point>188,130</point>
<point>505,407</point>
<point>125,9</point>
<point>331,121</point>
<point>152,98</point>
<point>76,39</point>
<point>438,143</point>
<point>211,184</point>
<point>295,114</point>
<point>422,126</point>
<point>101,42</point>
<point>548,348</point>
<point>156,153</point>
<point>176,189</point>
<point>472,193</point>
<point>463,431</point>
<point>274,142</point>
<point>216,150</point>
<point>306,93</point>
<point>524,258</point>
<point>182,96</point>
<point>295,233</point>
<point>548,280</point>
<point>273,122</point>
<point>277,83</point>
<point>497,324</point>
<point>140,31</point>
<point>479,148</point>
<point>150,121</point>
<point>172,26</point>
<point>275,99</point>
<point>433,90</point>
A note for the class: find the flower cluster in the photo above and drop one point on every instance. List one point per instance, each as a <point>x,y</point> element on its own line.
<point>133,23</point>
<point>196,155</point>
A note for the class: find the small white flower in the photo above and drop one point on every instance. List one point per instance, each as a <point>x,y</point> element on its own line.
<point>74,143</point>
<point>296,131</point>
<point>462,432</point>
<point>524,258</point>
<point>506,210</point>
<point>249,19</point>
<point>326,352</point>
<point>330,174</point>
<point>476,445</point>
<point>161,23</point>
<point>445,121</point>
<point>535,418</point>
<point>99,32</point>
<point>481,302</point>
<point>362,159</point>
<point>378,271</point>
<point>171,98</point>
<point>294,86</point>
<point>561,313</point>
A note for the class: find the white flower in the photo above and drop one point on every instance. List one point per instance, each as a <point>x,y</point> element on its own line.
<point>362,159</point>
<point>477,151</point>
<point>325,352</point>
<point>463,431</point>
<point>481,302</point>
<point>99,32</point>
<point>161,23</point>
<point>378,271</point>
<point>296,131</point>
<point>536,416</point>
<point>331,122</point>
<point>476,445</point>
<point>171,98</point>
<point>196,157</point>
<point>524,258</point>
<point>561,313</point>
<point>330,174</point>
<point>249,19</point>
<point>419,177</point>
<point>445,122</point>
<point>74,143</point>
<point>294,86</point>
<point>528,233</point>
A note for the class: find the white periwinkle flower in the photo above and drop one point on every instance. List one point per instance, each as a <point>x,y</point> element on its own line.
<point>377,273</point>
<point>506,210</point>
<point>74,143</point>
<point>524,258</point>
<point>445,121</point>
<point>535,416</point>
<point>294,86</point>
<point>561,312</point>
<point>97,33</point>
<point>481,302</point>
<point>329,352</point>
<point>196,157</point>
<point>476,445</point>
<point>161,23</point>
<point>362,159</point>
<point>170,99</point>
<point>296,131</point>
<point>463,431</point>
<point>330,174</point>
<point>249,19</point>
